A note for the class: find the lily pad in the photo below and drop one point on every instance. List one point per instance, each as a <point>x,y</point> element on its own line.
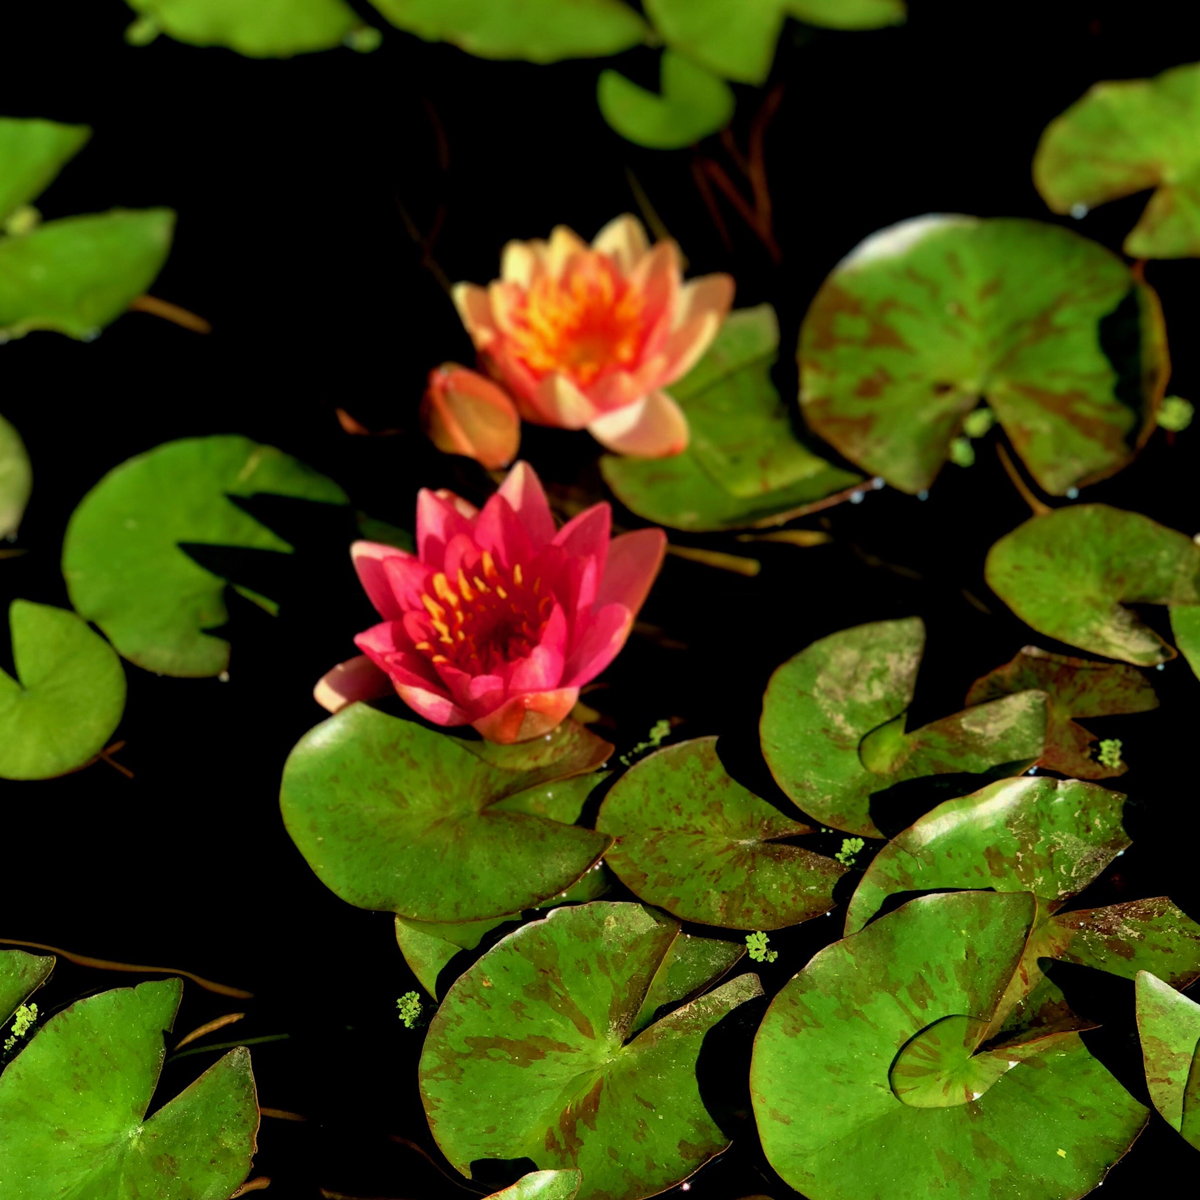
<point>869,1077</point>
<point>32,152</point>
<point>925,318</point>
<point>1074,687</point>
<point>1169,1026</point>
<point>264,29</point>
<point>543,1185</point>
<point>540,31</point>
<point>738,40</point>
<point>744,465</point>
<point>1185,625</point>
<point>21,975</point>
<point>691,103</point>
<point>692,840</point>
<point>834,725</point>
<point>691,966</point>
<point>1125,137</point>
<point>1069,574</point>
<point>123,560</point>
<point>534,1035</point>
<point>394,816</point>
<point>72,1107</point>
<point>16,480</point>
<point>67,698</point>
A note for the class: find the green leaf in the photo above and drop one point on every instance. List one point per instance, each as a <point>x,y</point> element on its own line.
<point>394,816</point>
<point>1069,573</point>
<point>122,559</point>
<point>834,725</point>
<point>540,31</point>
<point>1169,1026</point>
<point>264,29</point>
<point>744,464</point>
<point>32,152</point>
<point>21,975</point>
<point>16,480</point>
<point>79,274</point>
<point>926,317</point>
<point>73,1103</point>
<point>543,1185</point>
<point>1125,137</point>
<point>67,699</point>
<point>534,1035</point>
<point>1185,625</point>
<point>691,103</point>
<point>691,966</point>
<point>693,841</point>
<point>842,1114</point>
<point>738,40</point>
<point>1074,687</point>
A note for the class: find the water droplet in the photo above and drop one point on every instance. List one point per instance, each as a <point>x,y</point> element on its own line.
<point>877,482</point>
<point>224,677</point>
<point>923,494</point>
<point>1161,667</point>
<point>1120,852</point>
<point>1072,493</point>
<point>89,335</point>
<point>1079,211</point>
<point>856,497</point>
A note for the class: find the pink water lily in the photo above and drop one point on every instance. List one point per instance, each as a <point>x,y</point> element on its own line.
<point>499,618</point>
<point>589,336</point>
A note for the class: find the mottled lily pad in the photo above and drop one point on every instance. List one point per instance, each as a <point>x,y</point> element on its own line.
<point>21,975</point>
<point>1185,625</point>
<point>32,152</point>
<point>744,465</point>
<point>1070,573</point>
<point>543,1185</point>
<point>72,1107</point>
<point>534,1035</point>
<point>1125,137</point>
<point>1169,1026</point>
<point>122,556</point>
<point>870,1077</point>
<point>691,103</point>
<point>834,725</point>
<point>16,480</point>
<point>693,841</point>
<point>925,318</point>
<point>392,815</point>
<point>1074,687</point>
<point>67,698</point>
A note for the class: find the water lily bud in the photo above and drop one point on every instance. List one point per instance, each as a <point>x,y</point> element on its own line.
<point>465,413</point>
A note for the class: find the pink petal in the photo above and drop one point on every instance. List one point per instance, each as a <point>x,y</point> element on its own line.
<point>624,240</point>
<point>388,647</point>
<point>634,560</point>
<point>499,531</point>
<point>587,535</point>
<point>658,276</point>
<point>653,427</point>
<point>475,309</point>
<point>439,518</point>
<point>523,490</point>
<point>432,705</point>
<point>542,668</point>
<point>530,716</point>
<point>368,559</point>
<point>600,645</point>
<point>357,678</point>
<point>406,579</point>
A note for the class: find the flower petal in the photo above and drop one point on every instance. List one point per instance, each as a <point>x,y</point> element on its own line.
<point>499,531</point>
<point>634,560</point>
<point>440,515</point>
<point>475,309</point>
<point>518,262</point>
<point>357,678</point>
<point>433,706</point>
<point>368,559</point>
<point>465,413</point>
<point>564,244</point>
<point>587,535</point>
<point>653,427</point>
<point>533,715</point>
<point>407,578</point>
<point>561,403</point>
<point>624,240</point>
<point>542,668</point>
<point>707,294</point>
<point>600,645</point>
<point>523,490</point>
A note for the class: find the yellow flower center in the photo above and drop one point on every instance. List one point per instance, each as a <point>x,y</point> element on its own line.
<point>587,321</point>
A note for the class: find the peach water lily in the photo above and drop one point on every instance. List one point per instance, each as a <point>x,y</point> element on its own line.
<point>465,413</point>
<point>588,337</point>
<point>499,618</point>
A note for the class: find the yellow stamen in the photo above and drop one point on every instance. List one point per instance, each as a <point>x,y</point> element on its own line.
<point>432,607</point>
<point>442,586</point>
<point>501,592</point>
<point>483,587</point>
<point>517,575</point>
<point>464,587</point>
<point>439,658</point>
<point>424,645</point>
<point>489,565</point>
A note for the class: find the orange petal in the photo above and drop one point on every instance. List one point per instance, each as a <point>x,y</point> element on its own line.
<point>653,427</point>
<point>475,309</point>
<point>357,678</point>
<point>562,404</point>
<point>465,413</point>
<point>532,715</point>
<point>658,276</point>
<point>564,244</point>
<point>687,344</point>
<point>624,240</point>
<point>709,293</point>
<point>518,262</point>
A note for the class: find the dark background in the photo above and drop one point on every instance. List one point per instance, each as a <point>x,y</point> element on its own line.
<point>295,183</point>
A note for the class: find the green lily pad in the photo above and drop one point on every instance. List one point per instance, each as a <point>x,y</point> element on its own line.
<point>691,966</point>
<point>1074,687</point>
<point>1169,1026</point>
<point>264,29</point>
<point>869,1077</point>
<point>16,480</point>
<point>540,31</point>
<point>691,103</point>
<point>122,556</point>
<point>925,318</point>
<point>834,725</point>
<point>1125,137</point>
<point>72,1107</point>
<point>67,699</point>
<point>744,465</point>
<point>534,1035</point>
<point>738,40</point>
<point>394,816</point>
<point>1069,573</point>
<point>543,1185</point>
<point>21,975</point>
<point>32,152</point>
<point>79,274</point>
<point>693,841</point>
<point>1185,625</point>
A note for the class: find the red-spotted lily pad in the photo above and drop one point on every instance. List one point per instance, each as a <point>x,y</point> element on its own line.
<point>692,840</point>
<point>1070,574</point>
<point>543,1185</point>
<point>743,465</point>
<point>392,815</point>
<point>924,319</point>
<point>21,975</point>
<point>1125,137</point>
<point>73,1104</point>
<point>16,480</point>
<point>1074,687</point>
<point>871,1077</point>
<point>535,1037</point>
<point>834,725</point>
<point>1169,1026</point>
